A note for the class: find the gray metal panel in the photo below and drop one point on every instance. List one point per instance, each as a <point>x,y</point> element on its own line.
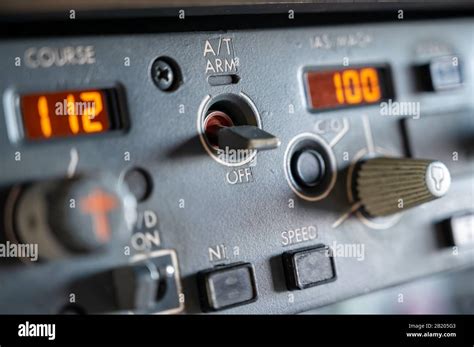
<point>248,216</point>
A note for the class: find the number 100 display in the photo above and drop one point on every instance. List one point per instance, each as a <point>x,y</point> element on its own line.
<point>341,88</point>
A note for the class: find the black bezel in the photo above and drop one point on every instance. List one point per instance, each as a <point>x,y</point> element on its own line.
<point>386,82</point>
<point>115,103</point>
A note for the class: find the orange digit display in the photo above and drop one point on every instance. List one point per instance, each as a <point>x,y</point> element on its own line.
<point>330,89</point>
<point>67,113</point>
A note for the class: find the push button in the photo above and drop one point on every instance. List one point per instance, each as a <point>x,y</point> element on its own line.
<point>309,267</point>
<point>440,73</point>
<point>308,167</point>
<point>227,286</point>
<point>461,227</point>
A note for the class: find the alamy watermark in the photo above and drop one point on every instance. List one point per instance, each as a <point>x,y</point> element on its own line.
<point>400,108</point>
<point>347,250</point>
<point>77,108</point>
<point>230,155</point>
<point>19,250</point>
<point>28,329</point>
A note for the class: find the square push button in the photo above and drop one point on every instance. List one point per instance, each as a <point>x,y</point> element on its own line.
<point>445,73</point>
<point>309,267</point>
<point>461,227</point>
<point>227,286</point>
<point>440,73</point>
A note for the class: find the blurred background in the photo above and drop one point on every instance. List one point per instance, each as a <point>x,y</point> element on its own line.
<point>447,293</point>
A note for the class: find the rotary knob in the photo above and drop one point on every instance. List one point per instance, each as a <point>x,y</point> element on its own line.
<point>389,185</point>
<point>75,216</point>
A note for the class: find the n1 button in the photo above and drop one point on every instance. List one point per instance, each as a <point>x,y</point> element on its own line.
<point>227,286</point>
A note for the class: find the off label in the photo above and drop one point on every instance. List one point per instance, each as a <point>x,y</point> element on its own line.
<point>239,176</point>
<point>220,56</point>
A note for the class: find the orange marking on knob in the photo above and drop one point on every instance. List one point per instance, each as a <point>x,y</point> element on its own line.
<point>98,204</point>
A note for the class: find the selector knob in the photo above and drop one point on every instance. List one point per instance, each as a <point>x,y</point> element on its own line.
<point>389,185</point>
<point>75,216</point>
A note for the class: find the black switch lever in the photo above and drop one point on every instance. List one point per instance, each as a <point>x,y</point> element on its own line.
<point>246,137</point>
<point>137,285</point>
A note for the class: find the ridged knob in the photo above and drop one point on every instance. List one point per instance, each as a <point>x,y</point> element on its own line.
<point>389,185</point>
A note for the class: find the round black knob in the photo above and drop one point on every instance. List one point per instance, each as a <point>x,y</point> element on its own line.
<point>79,215</point>
<point>389,185</point>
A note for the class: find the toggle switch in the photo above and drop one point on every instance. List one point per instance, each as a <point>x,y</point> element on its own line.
<point>231,122</point>
<point>137,286</point>
<point>248,137</point>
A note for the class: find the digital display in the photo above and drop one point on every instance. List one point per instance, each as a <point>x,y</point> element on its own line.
<point>69,113</point>
<point>340,88</point>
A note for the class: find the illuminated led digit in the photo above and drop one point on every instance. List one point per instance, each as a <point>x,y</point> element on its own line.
<point>72,116</point>
<point>370,84</point>
<point>45,122</point>
<point>91,126</point>
<point>352,91</point>
<point>338,85</point>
